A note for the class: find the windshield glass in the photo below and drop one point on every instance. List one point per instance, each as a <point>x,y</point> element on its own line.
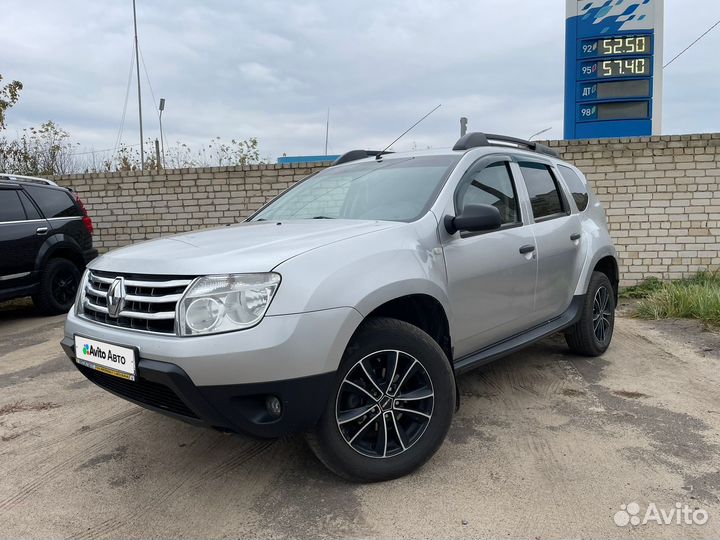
<point>400,189</point>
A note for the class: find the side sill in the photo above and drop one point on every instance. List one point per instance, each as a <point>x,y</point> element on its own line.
<point>520,341</point>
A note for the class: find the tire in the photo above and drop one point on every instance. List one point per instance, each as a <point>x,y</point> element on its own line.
<point>58,285</point>
<point>415,425</point>
<point>591,335</point>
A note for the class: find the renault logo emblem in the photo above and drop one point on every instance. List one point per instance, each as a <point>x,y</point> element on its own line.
<point>116,297</point>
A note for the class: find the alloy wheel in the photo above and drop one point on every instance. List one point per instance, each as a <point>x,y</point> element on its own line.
<point>64,286</point>
<point>384,404</point>
<point>602,315</point>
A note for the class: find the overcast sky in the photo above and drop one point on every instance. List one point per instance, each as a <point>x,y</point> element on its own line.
<point>271,69</point>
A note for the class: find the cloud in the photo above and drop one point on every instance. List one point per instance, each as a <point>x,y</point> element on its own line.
<point>271,69</point>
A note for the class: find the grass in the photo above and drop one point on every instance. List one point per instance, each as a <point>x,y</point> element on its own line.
<point>697,297</point>
<point>642,289</point>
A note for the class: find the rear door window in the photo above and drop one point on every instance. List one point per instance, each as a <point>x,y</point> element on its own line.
<point>54,203</point>
<point>576,185</point>
<point>30,210</point>
<point>545,197</point>
<point>10,207</point>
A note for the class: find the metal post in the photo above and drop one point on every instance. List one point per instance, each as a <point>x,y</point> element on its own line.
<point>463,126</point>
<point>137,62</point>
<point>157,154</point>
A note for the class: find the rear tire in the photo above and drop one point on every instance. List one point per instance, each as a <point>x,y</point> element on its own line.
<point>591,335</point>
<point>390,407</point>
<point>58,285</point>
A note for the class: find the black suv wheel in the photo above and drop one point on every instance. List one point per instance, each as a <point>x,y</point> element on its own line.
<point>391,405</point>
<point>58,286</point>
<point>592,334</point>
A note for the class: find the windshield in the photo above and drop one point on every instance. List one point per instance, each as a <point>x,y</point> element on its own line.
<point>400,189</point>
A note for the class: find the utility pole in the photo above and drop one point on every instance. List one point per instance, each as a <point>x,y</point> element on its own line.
<point>137,64</point>
<point>157,154</point>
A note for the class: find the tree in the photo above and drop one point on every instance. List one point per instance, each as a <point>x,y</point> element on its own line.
<point>43,151</point>
<point>9,95</point>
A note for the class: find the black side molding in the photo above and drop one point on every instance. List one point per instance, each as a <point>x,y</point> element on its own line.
<point>520,341</point>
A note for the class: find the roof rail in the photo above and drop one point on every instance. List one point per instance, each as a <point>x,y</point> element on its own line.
<point>354,155</point>
<point>28,179</point>
<point>473,140</point>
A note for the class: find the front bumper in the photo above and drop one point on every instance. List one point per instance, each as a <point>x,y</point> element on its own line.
<point>223,380</point>
<point>166,388</point>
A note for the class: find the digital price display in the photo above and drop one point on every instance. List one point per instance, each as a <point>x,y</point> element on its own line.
<point>641,44</point>
<point>611,86</point>
<point>628,67</point>
<point>639,88</point>
<point>614,110</point>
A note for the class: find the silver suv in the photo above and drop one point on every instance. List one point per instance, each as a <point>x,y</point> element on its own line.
<point>347,306</point>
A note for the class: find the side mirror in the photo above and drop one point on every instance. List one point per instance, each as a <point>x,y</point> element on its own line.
<point>474,218</point>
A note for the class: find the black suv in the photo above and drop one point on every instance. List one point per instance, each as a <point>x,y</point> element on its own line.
<point>45,242</point>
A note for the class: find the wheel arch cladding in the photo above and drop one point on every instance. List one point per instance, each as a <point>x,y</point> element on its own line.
<point>426,313</point>
<point>60,246</point>
<point>422,311</point>
<point>608,265</point>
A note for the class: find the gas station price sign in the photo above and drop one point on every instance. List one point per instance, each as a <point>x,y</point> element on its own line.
<point>611,86</point>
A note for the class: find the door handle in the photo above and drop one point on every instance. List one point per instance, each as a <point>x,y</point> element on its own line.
<point>41,231</point>
<point>527,249</point>
<point>575,236</point>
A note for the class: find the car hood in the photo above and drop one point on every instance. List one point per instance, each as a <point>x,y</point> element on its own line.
<point>246,247</point>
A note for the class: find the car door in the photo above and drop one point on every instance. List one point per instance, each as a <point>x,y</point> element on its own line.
<point>558,240</point>
<point>21,236</point>
<point>491,275</point>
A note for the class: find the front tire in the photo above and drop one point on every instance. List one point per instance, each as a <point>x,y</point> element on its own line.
<point>391,404</point>
<point>591,335</point>
<point>58,285</point>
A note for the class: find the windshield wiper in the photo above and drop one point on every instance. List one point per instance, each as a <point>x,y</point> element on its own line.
<point>322,217</point>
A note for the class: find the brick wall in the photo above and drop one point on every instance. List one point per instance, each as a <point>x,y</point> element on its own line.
<point>662,198</point>
<point>661,195</point>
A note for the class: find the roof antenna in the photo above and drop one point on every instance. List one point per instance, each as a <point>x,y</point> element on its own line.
<point>379,155</point>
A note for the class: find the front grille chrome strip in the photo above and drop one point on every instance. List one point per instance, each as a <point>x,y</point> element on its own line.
<point>133,314</point>
<point>148,284</point>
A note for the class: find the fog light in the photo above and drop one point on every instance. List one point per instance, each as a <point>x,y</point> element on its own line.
<point>273,406</point>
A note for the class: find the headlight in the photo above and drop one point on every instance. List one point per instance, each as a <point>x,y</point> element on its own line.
<point>215,304</point>
<point>80,296</point>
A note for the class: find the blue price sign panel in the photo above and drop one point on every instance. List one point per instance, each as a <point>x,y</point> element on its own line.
<point>611,86</point>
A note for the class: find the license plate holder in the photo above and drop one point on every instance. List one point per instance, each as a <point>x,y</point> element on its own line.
<point>110,358</point>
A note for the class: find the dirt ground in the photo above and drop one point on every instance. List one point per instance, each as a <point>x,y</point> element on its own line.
<point>545,445</point>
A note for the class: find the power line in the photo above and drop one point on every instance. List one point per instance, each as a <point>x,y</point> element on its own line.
<point>99,151</point>
<point>127,96</point>
<point>693,43</point>
<point>142,59</point>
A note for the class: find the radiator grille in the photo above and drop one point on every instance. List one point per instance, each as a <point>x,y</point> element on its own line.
<point>150,301</point>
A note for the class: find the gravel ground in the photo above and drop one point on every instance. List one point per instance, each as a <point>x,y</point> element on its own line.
<point>545,445</point>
